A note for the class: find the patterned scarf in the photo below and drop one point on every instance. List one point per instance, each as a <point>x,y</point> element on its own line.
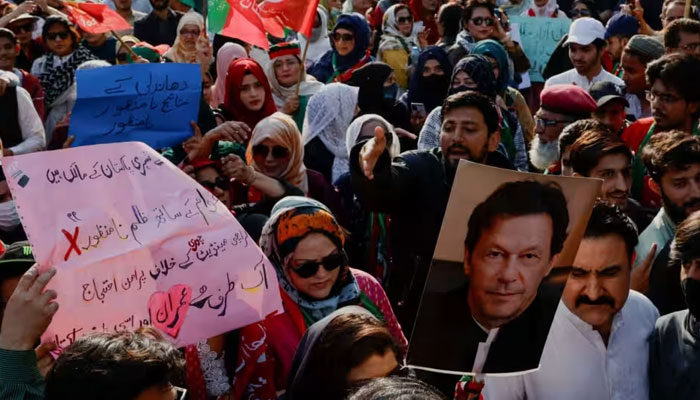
<point>57,79</point>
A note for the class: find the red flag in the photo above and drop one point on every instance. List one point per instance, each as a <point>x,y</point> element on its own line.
<point>95,18</point>
<point>243,22</point>
<point>296,14</point>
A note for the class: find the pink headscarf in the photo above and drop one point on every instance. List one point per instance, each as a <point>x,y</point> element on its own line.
<point>226,55</point>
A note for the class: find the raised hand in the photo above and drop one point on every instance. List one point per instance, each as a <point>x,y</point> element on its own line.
<point>235,168</point>
<point>639,280</point>
<point>29,311</point>
<point>371,151</point>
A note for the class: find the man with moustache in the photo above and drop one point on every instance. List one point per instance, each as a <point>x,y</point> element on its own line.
<point>414,189</point>
<point>597,347</point>
<point>675,104</point>
<point>674,351</point>
<point>673,161</point>
<point>560,105</point>
<point>599,153</point>
<point>160,26</point>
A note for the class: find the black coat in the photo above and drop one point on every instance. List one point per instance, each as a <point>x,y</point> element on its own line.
<point>413,190</point>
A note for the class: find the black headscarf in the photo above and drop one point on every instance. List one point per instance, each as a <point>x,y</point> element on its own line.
<point>370,79</point>
<point>432,91</point>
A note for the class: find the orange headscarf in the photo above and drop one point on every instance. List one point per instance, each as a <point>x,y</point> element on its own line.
<point>281,129</point>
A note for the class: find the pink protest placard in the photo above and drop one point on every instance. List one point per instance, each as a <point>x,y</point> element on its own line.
<point>137,242</point>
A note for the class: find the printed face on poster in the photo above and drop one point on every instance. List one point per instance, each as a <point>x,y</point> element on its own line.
<point>137,242</point>
<point>488,302</point>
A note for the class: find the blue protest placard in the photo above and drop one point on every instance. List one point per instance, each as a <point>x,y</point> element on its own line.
<point>150,103</point>
<point>538,38</point>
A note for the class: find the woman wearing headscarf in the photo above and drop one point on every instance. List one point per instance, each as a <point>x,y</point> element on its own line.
<point>304,242</point>
<point>368,244</point>
<point>513,101</point>
<point>400,43</point>
<point>56,68</point>
<point>285,71</point>
<point>191,45</point>
<point>475,72</point>
<point>544,8</point>
<point>319,41</point>
<point>328,115</point>
<point>343,349</point>
<point>248,98</point>
<point>349,50</point>
<point>227,54</point>
<point>425,11</point>
<point>378,88</point>
<point>428,87</point>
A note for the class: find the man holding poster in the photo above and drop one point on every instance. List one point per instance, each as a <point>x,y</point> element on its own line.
<point>491,313</point>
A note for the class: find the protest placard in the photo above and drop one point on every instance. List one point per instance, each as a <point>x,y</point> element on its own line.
<point>136,242</point>
<point>489,302</point>
<point>538,38</point>
<point>150,103</point>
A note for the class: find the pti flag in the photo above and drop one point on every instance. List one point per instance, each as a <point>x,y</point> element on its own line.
<point>95,17</point>
<point>243,22</point>
<point>296,14</point>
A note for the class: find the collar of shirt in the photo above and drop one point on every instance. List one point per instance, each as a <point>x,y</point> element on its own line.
<point>589,331</point>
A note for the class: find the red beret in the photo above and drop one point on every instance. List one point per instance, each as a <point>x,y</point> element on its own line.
<point>568,100</point>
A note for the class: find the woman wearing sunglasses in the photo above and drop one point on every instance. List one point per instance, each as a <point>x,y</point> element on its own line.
<point>482,21</point>
<point>305,244</point>
<point>56,68</point>
<point>191,45</point>
<point>343,350</point>
<point>349,50</point>
<point>23,27</point>
<point>401,43</point>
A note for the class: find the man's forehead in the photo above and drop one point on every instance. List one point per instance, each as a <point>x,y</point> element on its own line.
<point>464,114</point>
<point>683,171</point>
<point>544,113</point>
<point>601,252</point>
<point>526,230</point>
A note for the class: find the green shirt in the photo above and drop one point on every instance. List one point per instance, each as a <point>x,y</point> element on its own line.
<point>19,376</point>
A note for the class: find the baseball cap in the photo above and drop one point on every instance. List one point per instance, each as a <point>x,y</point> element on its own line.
<point>23,17</point>
<point>16,259</point>
<point>605,91</point>
<point>585,30</point>
<point>621,25</point>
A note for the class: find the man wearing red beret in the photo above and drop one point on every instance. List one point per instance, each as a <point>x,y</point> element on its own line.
<point>560,105</point>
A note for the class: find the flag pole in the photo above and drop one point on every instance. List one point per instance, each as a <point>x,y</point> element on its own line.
<point>128,48</point>
<point>303,64</point>
<point>686,12</point>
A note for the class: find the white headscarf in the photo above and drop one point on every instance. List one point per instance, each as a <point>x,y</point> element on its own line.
<point>547,11</point>
<point>178,53</point>
<point>224,57</point>
<point>308,87</point>
<point>320,43</point>
<point>355,129</point>
<point>328,115</point>
<point>389,25</point>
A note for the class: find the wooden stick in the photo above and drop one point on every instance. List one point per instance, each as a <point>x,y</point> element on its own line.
<point>303,64</point>
<point>128,48</point>
<point>686,12</point>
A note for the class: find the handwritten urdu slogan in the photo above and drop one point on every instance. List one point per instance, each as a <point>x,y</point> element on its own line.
<point>137,242</point>
<point>151,103</point>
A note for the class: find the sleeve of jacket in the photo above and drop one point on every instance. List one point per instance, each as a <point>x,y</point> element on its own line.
<point>520,61</point>
<point>19,376</point>
<point>391,186</point>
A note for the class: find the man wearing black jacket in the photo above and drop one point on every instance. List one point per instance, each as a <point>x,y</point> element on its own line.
<point>415,187</point>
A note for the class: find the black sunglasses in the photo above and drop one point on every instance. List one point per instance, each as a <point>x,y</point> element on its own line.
<point>26,27</point>
<point>277,151</point>
<point>345,37</point>
<point>576,12</point>
<point>478,21</point>
<point>220,182</point>
<point>330,263</point>
<point>404,20</point>
<point>63,35</point>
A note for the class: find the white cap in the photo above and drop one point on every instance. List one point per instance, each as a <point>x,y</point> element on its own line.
<point>585,30</point>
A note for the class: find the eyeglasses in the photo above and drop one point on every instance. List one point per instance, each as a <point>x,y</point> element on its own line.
<point>220,182</point>
<point>345,37</point>
<point>404,20</point>
<point>180,393</point>
<point>330,263</point>
<point>540,122</point>
<point>662,98</point>
<point>576,12</point>
<point>189,33</point>
<point>58,35</point>
<point>691,46</point>
<point>262,151</point>
<point>478,21</point>
<point>26,28</point>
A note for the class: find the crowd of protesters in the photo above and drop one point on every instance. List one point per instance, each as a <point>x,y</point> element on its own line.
<point>340,165</point>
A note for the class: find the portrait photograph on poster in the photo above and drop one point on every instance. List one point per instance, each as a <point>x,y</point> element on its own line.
<point>505,248</point>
